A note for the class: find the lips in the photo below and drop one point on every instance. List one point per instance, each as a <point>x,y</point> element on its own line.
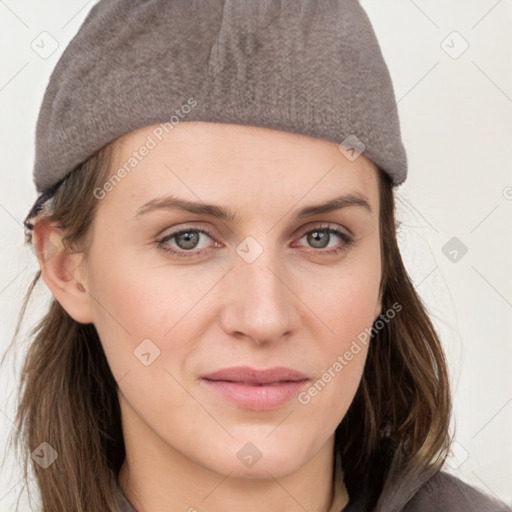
<point>257,390</point>
<point>247,375</point>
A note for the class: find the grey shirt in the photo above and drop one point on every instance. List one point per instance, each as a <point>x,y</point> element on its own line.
<point>441,493</point>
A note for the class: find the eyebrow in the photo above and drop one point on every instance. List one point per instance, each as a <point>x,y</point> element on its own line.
<point>211,210</point>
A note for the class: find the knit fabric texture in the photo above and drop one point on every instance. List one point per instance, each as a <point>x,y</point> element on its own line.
<point>302,66</point>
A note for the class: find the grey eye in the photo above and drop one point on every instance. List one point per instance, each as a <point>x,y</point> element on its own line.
<point>319,238</point>
<point>187,239</point>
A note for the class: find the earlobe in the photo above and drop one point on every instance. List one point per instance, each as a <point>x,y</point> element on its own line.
<point>60,270</point>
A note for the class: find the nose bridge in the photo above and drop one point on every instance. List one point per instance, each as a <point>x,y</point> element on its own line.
<point>261,304</point>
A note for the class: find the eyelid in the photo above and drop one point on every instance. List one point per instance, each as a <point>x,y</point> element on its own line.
<point>192,227</point>
<point>327,225</point>
<point>320,225</point>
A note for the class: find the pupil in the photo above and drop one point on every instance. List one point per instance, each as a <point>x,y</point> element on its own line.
<point>190,239</point>
<point>318,236</point>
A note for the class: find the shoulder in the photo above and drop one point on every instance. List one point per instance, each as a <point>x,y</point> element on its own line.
<point>446,493</point>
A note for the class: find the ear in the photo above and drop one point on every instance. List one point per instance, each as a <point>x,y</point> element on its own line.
<point>61,271</point>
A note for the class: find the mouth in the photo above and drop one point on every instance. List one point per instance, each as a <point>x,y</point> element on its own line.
<point>253,389</point>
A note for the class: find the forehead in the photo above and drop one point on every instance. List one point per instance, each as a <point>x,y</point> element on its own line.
<point>229,161</point>
<point>237,140</point>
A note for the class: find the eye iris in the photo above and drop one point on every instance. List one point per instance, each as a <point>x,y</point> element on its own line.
<point>190,239</point>
<point>318,236</point>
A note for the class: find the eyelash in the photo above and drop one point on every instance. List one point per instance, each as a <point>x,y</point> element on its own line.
<point>347,240</point>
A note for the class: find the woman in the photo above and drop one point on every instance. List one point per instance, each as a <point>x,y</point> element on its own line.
<point>232,323</point>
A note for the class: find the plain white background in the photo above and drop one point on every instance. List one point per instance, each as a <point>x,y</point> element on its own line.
<point>452,72</point>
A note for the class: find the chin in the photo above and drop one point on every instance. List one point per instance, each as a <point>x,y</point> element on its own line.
<point>243,458</point>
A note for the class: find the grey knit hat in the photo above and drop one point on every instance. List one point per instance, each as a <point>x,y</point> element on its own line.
<point>309,67</point>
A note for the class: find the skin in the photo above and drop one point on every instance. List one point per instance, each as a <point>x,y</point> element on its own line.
<point>292,306</point>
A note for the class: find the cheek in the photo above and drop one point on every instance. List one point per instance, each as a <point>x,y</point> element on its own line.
<point>133,309</point>
<point>347,315</point>
<point>149,319</point>
<point>346,300</point>
<point>347,307</point>
<point>352,307</point>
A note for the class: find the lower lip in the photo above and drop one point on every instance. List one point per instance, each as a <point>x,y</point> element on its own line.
<point>257,398</point>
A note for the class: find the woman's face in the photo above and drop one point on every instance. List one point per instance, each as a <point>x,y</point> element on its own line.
<point>267,288</point>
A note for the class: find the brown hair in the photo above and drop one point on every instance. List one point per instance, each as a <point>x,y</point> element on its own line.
<point>397,424</point>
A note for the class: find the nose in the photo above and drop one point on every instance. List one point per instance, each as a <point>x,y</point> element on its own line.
<point>260,303</point>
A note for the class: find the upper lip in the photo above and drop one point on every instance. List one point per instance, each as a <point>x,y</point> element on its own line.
<point>248,375</point>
